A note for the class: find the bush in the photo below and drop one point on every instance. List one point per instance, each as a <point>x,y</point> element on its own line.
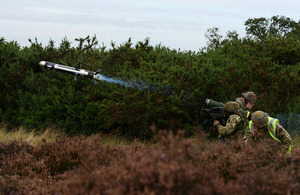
<point>168,87</point>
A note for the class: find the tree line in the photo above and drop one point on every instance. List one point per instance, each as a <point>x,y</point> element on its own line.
<point>266,61</point>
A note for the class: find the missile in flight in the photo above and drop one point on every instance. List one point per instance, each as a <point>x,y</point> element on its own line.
<point>73,70</point>
<point>96,76</point>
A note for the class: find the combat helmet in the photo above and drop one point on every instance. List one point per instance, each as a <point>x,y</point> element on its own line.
<point>260,118</point>
<point>232,107</point>
<point>250,96</point>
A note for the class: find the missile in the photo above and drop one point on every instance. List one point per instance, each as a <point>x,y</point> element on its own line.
<point>77,71</point>
<point>96,76</point>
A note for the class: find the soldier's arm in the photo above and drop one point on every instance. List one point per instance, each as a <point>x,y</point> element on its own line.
<point>284,137</point>
<point>231,124</point>
<point>248,135</point>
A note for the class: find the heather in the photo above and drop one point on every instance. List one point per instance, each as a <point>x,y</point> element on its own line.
<point>170,164</point>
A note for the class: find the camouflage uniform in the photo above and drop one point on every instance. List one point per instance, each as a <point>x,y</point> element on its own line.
<point>235,127</point>
<point>235,124</point>
<point>249,96</point>
<point>241,103</point>
<point>263,133</point>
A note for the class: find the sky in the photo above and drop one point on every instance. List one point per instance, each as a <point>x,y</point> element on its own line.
<point>177,24</point>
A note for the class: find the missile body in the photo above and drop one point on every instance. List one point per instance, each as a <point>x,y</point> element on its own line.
<point>72,70</point>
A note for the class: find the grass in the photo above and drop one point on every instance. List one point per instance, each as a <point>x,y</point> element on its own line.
<point>296,143</point>
<point>114,140</point>
<point>33,137</point>
<point>37,138</point>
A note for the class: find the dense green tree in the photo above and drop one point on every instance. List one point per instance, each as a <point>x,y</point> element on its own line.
<point>263,28</point>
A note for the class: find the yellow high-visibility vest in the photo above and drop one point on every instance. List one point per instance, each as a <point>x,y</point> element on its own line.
<point>271,126</point>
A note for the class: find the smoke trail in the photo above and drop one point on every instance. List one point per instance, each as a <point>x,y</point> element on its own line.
<point>133,83</point>
<point>140,85</point>
<point>111,80</point>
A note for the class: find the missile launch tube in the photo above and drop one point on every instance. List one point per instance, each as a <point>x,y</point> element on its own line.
<point>211,103</point>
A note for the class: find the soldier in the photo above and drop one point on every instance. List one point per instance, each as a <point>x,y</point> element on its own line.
<point>247,101</point>
<point>263,127</point>
<point>235,123</point>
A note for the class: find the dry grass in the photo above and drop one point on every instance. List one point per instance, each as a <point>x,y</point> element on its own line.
<point>33,137</point>
<point>114,140</point>
<point>36,138</point>
<point>296,143</point>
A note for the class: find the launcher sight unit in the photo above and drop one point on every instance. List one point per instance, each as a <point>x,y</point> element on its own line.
<point>209,104</point>
<point>215,111</point>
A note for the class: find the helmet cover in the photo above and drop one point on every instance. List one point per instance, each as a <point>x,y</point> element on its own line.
<point>250,96</point>
<point>260,118</point>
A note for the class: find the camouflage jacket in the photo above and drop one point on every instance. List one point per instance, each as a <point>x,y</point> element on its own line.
<point>235,126</point>
<point>281,134</point>
<point>241,102</point>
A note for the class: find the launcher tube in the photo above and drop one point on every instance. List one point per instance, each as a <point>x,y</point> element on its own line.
<point>211,103</point>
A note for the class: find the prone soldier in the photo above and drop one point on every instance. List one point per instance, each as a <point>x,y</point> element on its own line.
<point>264,127</point>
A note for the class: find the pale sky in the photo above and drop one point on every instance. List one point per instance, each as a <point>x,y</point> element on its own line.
<point>175,24</point>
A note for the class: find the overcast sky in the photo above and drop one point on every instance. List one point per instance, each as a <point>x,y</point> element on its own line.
<point>175,24</point>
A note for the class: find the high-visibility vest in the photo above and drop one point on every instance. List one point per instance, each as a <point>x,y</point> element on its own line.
<point>271,126</point>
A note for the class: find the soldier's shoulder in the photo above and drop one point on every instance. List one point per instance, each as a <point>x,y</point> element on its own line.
<point>241,102</point>
<point>234,117</point>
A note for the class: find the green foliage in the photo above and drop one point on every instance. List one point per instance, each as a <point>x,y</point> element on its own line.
<point>276,26</point>
<point>174,84</point>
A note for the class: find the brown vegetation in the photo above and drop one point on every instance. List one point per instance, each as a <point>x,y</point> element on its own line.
<point>173,165</point>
